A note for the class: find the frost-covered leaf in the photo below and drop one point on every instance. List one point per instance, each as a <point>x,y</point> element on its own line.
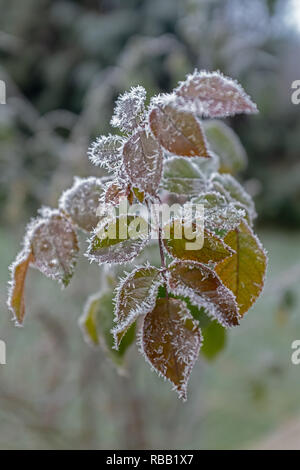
<point>19,270</point>
<point>115,191</point>
<point>234,192</point>
<point>213,249</point>
<point>208,166</point>
<point>214,335</point>
<point>81,201</point>
<point>136,296</point>
<point>214,95</point>
<point>106,152</point>
<point>204,289</point>
<point>142,159</point>
<point>182,176</point>
<point>214,340</point>
<point>118,246</point>
<point>54,246</point>
<point>171,341</point>
<point>96,323</point>
<point>244,272</point>
<point>129,110</point>
<point>219,214</point>
<point>179,132</point>
<point>226,144</point>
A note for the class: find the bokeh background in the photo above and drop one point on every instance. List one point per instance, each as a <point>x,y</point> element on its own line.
<point>64,63</point>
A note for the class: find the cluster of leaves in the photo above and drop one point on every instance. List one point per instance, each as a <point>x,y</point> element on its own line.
<point>169,150</point>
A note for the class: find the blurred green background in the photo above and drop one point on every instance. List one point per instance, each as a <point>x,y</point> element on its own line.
<point>64,63</point>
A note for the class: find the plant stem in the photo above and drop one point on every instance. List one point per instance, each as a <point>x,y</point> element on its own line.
<point>161,247</point>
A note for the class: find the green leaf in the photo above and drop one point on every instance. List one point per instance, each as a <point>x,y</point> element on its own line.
<point>120,244</point>
<point>244,272</point>
<point>214,340</point>
<point>139,195</point>
<point>213,248</point>
<point>234,192</point>
<point>171,341</point>
<point>181,176</point>
<point>96,324</point>
<point>225,143</point>
<point>220,214</point>
<point>136,296</point>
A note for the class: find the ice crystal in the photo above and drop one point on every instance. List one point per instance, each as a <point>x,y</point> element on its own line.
<point>106,152</point>
<point>129,110</point>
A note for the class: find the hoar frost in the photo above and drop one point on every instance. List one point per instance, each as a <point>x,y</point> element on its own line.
<point>170,152</point>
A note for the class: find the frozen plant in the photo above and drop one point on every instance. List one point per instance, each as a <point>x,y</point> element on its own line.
<point>167,150</point>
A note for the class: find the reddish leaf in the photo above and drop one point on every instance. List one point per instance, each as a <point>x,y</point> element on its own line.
<point>177,131</point>
<point>214,95</point>
<point>142,159</point>
<point>204,288</point>
<point>116,191</point>
<point>170,341</point>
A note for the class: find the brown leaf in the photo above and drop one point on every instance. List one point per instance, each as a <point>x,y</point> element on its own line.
<point>19,269</point>
<point>244,272</point>
<point>214,95</point>
<point>116,191</point>
<point>204,289</point>
<point>178,132</point>
<point>142,158</point>
<point>171,340</point>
